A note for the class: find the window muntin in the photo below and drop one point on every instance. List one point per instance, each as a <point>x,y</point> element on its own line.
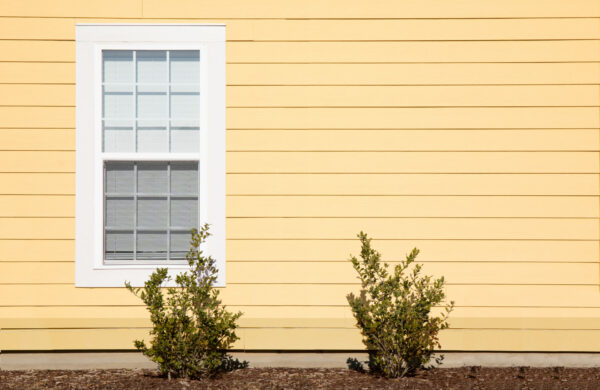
<point>150,104</point>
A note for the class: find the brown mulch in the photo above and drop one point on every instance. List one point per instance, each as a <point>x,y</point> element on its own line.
<point>472,378</point>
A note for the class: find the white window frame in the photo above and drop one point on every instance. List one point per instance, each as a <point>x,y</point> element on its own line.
<point>91,39</point>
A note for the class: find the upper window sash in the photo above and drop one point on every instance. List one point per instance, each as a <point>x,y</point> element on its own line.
<point>99,85</point>
<point>151,101</point>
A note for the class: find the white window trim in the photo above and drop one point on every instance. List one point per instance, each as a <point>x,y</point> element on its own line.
<point>91,39</point>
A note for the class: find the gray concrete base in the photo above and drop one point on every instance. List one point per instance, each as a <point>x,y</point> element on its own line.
<point>135,360</point>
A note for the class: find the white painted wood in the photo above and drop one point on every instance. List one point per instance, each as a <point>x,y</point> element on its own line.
<point>91,39</point>
<point>150,33</point>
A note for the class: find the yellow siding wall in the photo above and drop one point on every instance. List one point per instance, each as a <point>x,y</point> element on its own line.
<point>469,129</point>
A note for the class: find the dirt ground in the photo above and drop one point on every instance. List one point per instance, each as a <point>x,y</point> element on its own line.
<point>472,378</point>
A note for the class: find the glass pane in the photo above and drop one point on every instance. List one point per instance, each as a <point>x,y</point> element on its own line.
<point>118,139</point>
<point>152,66</point>
<point>185,110</point>
<point>118,122</point>
<point>185,106</point>
<point>152,106</point>
<point>151,245</point>
<point>180,244</point>
<point>119,105</point>
<point>184,213</point>
<point>117,66</point>
<point>152,112</point>
<point>118,245</point>
<point>152,213</point>
<point>119,213</point>
<point>185,66</point>
<point>185,140</point>
<point>184,178</point>
<point>185,101</point>
<point>153,139</point>
<point>119,177</point>
<point>152,178</point>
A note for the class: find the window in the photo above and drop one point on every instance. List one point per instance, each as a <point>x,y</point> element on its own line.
<point>150,151</point>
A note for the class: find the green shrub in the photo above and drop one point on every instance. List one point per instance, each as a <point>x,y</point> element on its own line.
<point>393,312</point>
<point>191,329</point>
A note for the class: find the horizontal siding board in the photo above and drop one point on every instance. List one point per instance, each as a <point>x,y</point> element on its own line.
<point>80,322</point>
<point>37,206</point>
<point>412,228</point>
<point>467,295</point>
<point>338,272</point>
<point>65,339</point>
<point>412,74</point>
<point>37,95</point>
<point>37,139</point>
<point>63,316</point>
<point>413,29</point>
<point>65,295</point>
<point>308,316</point>
<point>295,339</point>
<point>308,295</point>
<point>456,51</point>
<point>60,8</point>
<point>344,30</point>
<point>37,183</point>
<point>370,52</point>
<point>359,9</point>
<point>351,96</point>
<point>37,250</point>
<point>37,228</point>
<point>519,340</point>
<point>454,273</point>
<point>408,118</point>
<point>37,72</point>
<point>47,51</point>
<point>404,206</point>
<point>350,74</point>
<point>312,338</point>
<point>37,161</point>
<point>456,322</point>
<point>431,251</point>
<point>34,272</point>
<point>393,96</point>
<point>412,140</point>
<point>42,28</point>
<point>108,320</point>
<point>413,184</point>
<point>525,314</point>
<point>416,162</point>
<point>37,117</point>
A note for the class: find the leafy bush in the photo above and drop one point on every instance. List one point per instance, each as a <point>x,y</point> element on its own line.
<point>191,329</point>
<point>393,312</point>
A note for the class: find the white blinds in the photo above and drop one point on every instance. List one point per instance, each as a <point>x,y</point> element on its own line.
<point>151,101</point>
<point>150,208</point>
